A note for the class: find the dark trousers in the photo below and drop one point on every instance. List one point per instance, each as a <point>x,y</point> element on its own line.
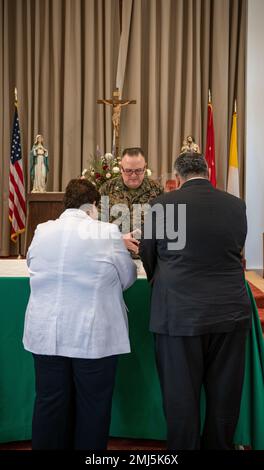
<point>185,363</point>
<point>73,402</point>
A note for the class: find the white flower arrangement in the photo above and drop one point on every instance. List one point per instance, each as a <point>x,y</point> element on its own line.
<point>116,170</point>
<point>102,168</point>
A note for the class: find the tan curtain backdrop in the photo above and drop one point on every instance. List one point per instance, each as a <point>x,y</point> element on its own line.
<point>62,55</point>
<point>177,50</point>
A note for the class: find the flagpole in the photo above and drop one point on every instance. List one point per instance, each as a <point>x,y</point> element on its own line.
<point>19,256</point>
<point>19,235</point>
<point>235,107</point>
<point>209,96</point>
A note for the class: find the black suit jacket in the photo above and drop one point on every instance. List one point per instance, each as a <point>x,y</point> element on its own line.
<point>199,288</point>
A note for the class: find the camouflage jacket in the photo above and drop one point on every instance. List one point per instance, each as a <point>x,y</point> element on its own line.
<point>119,193</point>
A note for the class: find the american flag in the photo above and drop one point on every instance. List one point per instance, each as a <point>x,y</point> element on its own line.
<point>17,201</point>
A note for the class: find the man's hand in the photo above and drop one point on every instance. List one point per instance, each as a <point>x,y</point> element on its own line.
<point>131,243</point>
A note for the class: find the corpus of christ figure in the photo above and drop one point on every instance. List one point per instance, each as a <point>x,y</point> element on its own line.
<point>116,104</point>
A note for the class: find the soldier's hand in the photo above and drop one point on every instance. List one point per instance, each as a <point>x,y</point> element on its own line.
<point>131,243</point>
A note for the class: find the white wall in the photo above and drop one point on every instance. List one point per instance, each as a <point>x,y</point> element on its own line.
<point>255,134</point>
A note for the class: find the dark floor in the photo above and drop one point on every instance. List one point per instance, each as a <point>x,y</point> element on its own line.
<point>114,444</point>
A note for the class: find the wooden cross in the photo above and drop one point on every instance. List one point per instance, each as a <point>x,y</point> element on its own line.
<point>116,104</point>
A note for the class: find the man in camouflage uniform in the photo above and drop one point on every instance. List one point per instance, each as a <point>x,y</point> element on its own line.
<point>133,186</point>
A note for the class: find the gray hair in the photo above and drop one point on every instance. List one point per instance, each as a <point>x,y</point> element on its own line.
<point>190,164</point>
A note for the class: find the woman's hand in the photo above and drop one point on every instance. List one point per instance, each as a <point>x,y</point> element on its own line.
<point>131,243</point>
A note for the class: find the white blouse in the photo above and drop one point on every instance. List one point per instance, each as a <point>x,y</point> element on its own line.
<point>78,269</point>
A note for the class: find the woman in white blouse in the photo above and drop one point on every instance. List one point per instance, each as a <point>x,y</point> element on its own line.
<point>76,322</point>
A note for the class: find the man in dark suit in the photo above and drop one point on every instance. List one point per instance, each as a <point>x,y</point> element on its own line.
<point>200,311</point>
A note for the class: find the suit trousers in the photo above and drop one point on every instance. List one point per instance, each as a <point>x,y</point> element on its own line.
<point>185,363</point>
<point>73,402</point>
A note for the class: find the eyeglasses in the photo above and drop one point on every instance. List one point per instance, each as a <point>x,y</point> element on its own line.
<point>129,172</point>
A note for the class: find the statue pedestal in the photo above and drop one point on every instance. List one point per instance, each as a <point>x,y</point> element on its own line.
<point>40,208</point>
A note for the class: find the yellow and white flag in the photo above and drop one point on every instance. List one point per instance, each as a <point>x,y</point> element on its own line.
<point>233,173</point>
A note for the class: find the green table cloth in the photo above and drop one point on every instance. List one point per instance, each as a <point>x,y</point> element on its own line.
<point>137,409</point>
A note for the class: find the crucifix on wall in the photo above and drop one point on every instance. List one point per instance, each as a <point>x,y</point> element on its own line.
<point>116,104</point>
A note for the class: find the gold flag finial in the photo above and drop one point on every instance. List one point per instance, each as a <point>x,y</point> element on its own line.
<point>209,96</point>
<point>235,107</point>
<point>15,95</point>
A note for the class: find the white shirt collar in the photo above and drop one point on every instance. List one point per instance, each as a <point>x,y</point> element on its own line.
<point>197,178</point>
<point>74,213</point>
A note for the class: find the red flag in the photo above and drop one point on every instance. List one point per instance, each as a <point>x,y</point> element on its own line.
<point>210,145</point>
<point>17,202</point>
